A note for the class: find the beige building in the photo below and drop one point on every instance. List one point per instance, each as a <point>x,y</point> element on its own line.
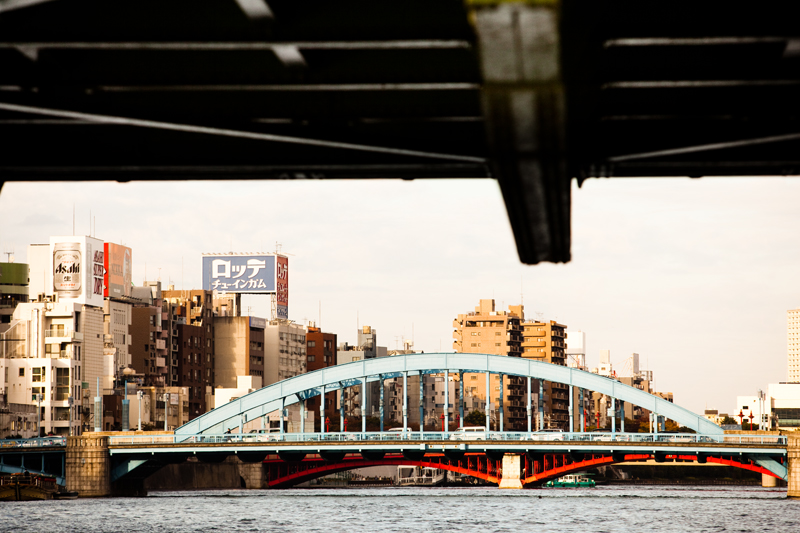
<point>546,342</point>
<point>117,320</point>
<point>239,343</point>
<point>793,344</point>
<point>497,333</point>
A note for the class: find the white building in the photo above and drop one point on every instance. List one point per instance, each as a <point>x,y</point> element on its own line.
<point>576,349</point>
<point>778,407</point>
<point>52,348</point>
<point>793,344</point>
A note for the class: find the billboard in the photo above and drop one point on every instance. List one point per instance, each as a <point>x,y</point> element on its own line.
<point>78,269</point>
<point>118,268</point>
<point>282,286</point>
<point>248,274</point>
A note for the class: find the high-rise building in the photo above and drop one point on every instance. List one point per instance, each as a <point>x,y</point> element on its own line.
<point>497,333</point>
<point>194,365</point>
<point>320,353</point>
<point>366,397</point>
<point>545,342</point>
<point>284,351</point>
<point>793,344</point>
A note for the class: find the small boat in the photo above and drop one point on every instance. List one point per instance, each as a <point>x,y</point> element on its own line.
<point>27,487</point>
<point>572,480</point>
<point>65,495</point>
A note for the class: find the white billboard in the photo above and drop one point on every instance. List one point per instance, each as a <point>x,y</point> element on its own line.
<point>77,269</point>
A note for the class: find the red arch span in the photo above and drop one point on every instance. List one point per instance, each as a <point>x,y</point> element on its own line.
<point>535,469</point>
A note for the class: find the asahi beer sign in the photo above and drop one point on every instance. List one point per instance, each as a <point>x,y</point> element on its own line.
<point>67,260</point>
<point>78,269</point>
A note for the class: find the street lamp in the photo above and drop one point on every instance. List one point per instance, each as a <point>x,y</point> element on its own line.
<point>139,395</point>
<point>38,415</point>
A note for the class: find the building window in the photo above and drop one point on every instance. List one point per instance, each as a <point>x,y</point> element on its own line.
<point>22,372</point>
<point>37,374</point>
<point>311,358</point>
<point>312,344</point>
<point>62,382</point>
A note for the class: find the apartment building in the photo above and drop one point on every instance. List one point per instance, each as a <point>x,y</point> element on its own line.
<point>187,360</point>
<point>320,353</point>
<point>497,333</point>
<point>51,352</point>
<point>546,342</point>
<point>284,350</point>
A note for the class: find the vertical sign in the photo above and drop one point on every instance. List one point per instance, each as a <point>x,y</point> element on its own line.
<point>117,275</point>
<point>282,286</point>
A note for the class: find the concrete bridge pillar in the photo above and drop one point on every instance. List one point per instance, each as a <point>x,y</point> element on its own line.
<point>793,452</point>
<point>511,472</point>
<point>88,465</point>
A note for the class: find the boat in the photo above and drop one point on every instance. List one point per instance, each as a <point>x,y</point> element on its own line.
<point>415,476</point>
<point>27,487</point>
<point>572,480</point>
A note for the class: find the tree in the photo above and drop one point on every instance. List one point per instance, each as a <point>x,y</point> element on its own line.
<point>728,421</point>
<point>475,418</point>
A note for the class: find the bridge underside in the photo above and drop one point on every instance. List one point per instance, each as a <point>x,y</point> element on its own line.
<point>535,469</point>
<point>44,462</point>
<point>532,94</point>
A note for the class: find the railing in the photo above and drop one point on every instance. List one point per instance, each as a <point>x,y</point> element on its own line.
<point>33,442</point>
<point>544,436</point>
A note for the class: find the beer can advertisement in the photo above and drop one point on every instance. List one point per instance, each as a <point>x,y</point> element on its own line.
<point>118,268</point>
<point>78,269</point>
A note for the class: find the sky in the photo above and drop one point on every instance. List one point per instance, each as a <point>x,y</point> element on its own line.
<point>695,276</point>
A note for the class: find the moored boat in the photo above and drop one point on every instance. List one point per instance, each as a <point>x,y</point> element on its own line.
<point>27,487</point>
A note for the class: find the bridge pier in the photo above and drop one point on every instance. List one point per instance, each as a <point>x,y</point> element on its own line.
<point>793,453</point>
<point>511,472</point>
<point>88,466</point>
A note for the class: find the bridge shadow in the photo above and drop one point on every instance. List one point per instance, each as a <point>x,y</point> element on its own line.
<point>535,468</point>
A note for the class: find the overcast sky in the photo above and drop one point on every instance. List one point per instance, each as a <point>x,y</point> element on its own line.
<point>696,276</point>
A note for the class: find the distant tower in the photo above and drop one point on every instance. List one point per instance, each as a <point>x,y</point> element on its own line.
<point>793,344</point>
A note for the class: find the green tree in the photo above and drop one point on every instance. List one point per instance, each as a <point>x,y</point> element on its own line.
<point>475,418</point>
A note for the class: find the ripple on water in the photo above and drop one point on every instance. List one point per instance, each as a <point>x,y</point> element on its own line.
<point>610,509</point>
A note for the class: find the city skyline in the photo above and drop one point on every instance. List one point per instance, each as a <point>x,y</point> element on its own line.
<point>672,269</point>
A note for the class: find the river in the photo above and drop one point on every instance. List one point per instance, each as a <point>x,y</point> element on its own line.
<point>611,508</point>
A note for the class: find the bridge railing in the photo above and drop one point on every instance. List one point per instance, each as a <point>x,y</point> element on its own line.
<point>33,442</point>
<point>456,436</point>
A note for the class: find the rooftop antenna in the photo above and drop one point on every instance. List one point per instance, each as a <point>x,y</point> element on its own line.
<point>10,254</point>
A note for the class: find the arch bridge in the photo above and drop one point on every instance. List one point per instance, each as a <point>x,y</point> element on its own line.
<point>297,457</point>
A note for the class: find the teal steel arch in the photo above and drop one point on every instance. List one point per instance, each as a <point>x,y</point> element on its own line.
<point>289,391</point>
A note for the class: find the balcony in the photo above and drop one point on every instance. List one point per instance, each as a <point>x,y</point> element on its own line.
<point>55,336</point>
<point>534,343</point>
